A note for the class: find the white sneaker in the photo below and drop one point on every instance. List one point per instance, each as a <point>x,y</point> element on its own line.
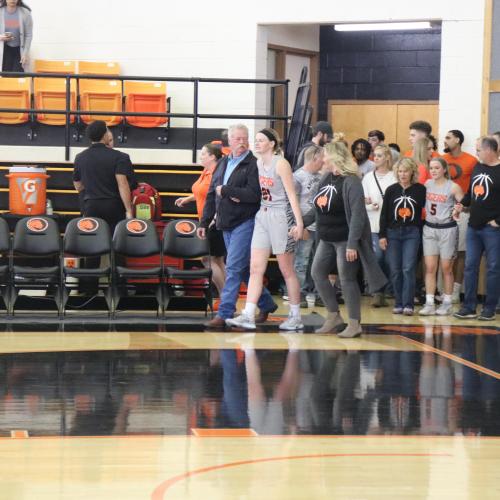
<point>292,323</point>
<point>427,310</point>
<point>444,309</point>
<point>242,321</point>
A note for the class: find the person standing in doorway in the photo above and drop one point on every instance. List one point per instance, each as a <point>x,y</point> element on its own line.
<point>322,133</point>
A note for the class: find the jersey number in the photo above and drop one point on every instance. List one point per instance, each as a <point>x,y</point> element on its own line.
<point>433,209</point>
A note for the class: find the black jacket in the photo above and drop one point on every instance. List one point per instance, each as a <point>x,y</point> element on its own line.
<point>243,184</point>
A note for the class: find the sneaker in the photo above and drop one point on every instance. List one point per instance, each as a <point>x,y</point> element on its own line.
<point>428,310</point>
<point>464,313</point>
<point>486,315</point>
<point>242,321</point>
<point>397,310</point>
<point>285,298</point>
<point>408,311</point>
<point>444,309</point>
<point>292,323</point>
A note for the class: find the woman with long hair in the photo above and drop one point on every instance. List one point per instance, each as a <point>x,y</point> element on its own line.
<point>209,157</point>
<point>344,234</point>
<point>16,32</point>
<point>423,150</point>
<point>279,206</point>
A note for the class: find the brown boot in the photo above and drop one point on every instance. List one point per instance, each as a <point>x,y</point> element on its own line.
<point>216,323</point>
<point>333,321</point>
<point>379,300</point>
<point>353,329</point>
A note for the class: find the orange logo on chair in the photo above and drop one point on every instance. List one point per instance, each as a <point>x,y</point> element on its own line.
<point>37,224</point>
<point>87,225</point>
<point>185,227</point>
<point>136,226</point>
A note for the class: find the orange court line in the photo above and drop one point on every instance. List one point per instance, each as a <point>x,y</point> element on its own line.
<point>19,434</point>
<point>452,357</point>
<point>159,492</point>
<point>223,432</point>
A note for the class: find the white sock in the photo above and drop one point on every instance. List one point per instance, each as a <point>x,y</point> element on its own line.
<point>295,310</point>
<point>250,309</point>
<point>456,288</point>
<point>429,299</point>
<point>447,299</point>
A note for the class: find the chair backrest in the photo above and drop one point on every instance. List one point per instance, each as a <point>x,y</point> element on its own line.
<point>101,95</point>
<point>15,93</point>
<point>59,67</point>
<point>4,236</point>
<point>50,93</point>
<point>98,68</point>
<point>149,97</point>
<point>180,240</point>
<point>37,235</point>
<point>136,238</point>
<point>87,237</point>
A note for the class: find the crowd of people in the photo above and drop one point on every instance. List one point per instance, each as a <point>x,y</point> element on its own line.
<point>343,212</point>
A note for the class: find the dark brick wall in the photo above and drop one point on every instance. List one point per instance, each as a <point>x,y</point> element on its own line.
<point>379,65</point>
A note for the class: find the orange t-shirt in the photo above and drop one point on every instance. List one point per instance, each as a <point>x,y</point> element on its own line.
<point>200,189</point>
<point>409,154</point>
<point>423,174</point>
<point>461,167</point>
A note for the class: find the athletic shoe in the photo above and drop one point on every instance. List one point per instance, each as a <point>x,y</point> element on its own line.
<point>486,316</point>
<point>242,321</point>
<point>444,309</point>
<point>408,311</point>
<point>397,310</point>
<point>464,313</point>
<point>292,323</point>
<point>428,310</point>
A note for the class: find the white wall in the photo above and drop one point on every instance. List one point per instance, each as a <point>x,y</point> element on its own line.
<point>228,39</point>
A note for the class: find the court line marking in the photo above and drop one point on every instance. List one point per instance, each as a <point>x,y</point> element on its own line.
<point>223,432</point>
<point>159,492</point>
<point>453,357</point>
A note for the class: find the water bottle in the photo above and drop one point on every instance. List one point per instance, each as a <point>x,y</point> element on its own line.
<point>48,208</point>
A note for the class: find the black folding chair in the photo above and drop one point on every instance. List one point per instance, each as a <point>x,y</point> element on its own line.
<point>4,261</point>
<point>136,238</point>
<point>35,238</point>
<point>88,238</point>
<point>180,241</point>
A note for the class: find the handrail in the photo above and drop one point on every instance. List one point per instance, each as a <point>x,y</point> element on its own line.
<point>194,116</point>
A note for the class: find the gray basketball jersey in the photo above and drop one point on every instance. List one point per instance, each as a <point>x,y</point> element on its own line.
<point>439,202</point>
<point>271,185</point>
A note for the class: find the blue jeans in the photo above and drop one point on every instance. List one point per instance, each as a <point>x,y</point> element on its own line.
<point>303,252</point>
<point>381,259</point>
<point>402,252</point>
<point>478,241</point>
<point>237,242</point>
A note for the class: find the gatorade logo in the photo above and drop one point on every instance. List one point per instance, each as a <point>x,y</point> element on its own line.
<point>29,190</point>
<point>136,226</point>
<point>88,225</point>
<point>185,227</point>
<point>37,224</point>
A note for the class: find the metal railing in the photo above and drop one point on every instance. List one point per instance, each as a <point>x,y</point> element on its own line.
<point>195,115</point>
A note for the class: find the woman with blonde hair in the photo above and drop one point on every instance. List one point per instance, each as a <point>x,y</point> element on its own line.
<point>344,233</point>
<point>423,150</point>
<point>400,232</point>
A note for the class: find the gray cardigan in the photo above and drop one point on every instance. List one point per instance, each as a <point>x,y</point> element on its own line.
<point>25,28</point>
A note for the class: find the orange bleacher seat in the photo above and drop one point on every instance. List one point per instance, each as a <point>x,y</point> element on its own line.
<point>149,97</point>
<point>59,67</point>
<point>101,95</point>
<point>98,68</point>
<point>50,93</point>
<point>14,93</point>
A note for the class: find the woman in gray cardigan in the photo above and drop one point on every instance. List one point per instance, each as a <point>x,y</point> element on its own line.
<point>344,233</point>
<point>16,32</point>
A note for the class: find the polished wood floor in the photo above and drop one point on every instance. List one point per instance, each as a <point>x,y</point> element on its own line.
<point>409,410</point>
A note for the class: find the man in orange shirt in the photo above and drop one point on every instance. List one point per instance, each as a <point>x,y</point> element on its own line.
<point>460,166</point>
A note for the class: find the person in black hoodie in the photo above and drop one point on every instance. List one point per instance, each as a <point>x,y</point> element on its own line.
<point>233,199</point>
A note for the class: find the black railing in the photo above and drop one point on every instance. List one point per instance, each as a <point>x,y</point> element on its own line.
<point>195,115</point>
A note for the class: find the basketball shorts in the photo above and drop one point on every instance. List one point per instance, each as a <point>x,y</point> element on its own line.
<point>442,242</point>
<point>271,231</point>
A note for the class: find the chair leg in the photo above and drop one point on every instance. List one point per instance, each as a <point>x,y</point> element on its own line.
<point>12,300</point>
<point>209,299</point>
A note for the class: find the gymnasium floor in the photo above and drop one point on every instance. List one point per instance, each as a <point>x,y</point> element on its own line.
<point>150,411</point>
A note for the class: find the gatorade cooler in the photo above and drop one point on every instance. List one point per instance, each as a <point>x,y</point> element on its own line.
<point>27,190</point>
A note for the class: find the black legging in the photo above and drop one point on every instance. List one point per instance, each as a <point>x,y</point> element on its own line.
<point>11,58</point>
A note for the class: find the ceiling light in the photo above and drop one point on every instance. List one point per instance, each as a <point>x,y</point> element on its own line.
<point>422,25</point>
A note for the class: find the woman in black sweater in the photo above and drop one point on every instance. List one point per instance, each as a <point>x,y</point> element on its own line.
<point>400,232</point>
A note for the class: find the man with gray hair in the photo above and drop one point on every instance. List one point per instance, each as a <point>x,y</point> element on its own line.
<point>233,199</point>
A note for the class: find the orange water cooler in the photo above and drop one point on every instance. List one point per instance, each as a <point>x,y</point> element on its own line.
<point>27,190</point>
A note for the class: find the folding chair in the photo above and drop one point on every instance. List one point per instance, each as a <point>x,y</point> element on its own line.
<point>4,261</point>
<point>136,238</point>
<point>87,237</point>
<point>50,93</point>
<point>15,93</point>
<point>39,237</point>
<point>180,241</point>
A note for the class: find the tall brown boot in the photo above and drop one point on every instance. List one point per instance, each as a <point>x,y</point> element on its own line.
<point>333,320</point>
<point>353,329</point>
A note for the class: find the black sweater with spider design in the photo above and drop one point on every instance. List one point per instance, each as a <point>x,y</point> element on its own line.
<point>402,207</point>
<point>483,195</point>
